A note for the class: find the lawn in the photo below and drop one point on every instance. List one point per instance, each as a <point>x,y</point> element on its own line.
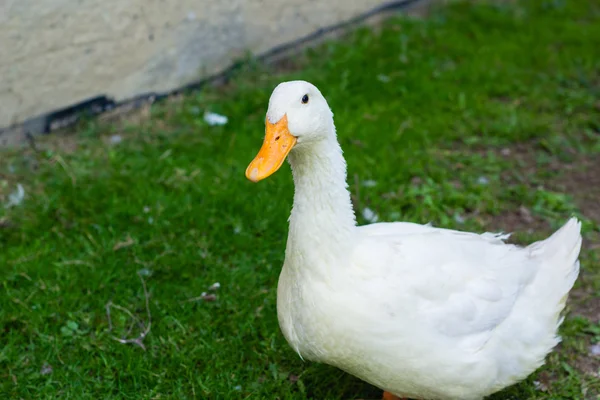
<point>480,117</point>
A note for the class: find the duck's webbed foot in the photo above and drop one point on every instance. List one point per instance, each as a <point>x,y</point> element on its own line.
<point>389,396</point>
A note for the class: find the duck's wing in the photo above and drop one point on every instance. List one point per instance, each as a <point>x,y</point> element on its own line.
<point>455,283</point>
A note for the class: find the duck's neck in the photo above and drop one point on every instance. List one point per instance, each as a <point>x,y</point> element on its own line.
<point>322,217</point>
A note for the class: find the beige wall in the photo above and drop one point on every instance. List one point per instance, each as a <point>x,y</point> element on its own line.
<point>54,53</point>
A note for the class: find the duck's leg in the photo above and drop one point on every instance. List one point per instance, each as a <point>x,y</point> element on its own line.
<point>389,396</point>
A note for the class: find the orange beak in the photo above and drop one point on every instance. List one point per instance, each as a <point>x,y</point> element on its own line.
<point>276,146</point>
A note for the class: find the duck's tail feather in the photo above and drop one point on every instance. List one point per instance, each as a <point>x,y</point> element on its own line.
<point>559,268</point>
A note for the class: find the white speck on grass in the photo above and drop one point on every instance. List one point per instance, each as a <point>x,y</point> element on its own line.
<point>150,220</point>
<point>459,218</point>
<point>383,78</point>
<point>237,388</point>
<point>16,197</point>
<point>214,119</point>
<point>146,210</point>
<point>595,349</point>
<point>237,229</point>
<point>540,386</point>
<point>482,180</point>
<point>214,286</point>
<point>145,272</point>
<point>116,139</point>
<point>369,183</point>
<point>369,215</point>
<point>46,369</point>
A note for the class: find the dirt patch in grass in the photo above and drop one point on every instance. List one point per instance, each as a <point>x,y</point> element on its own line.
<point>519,220</point>
<point>588,364</point>
<point>579,178</point>
<point>582,181</point>
<point>587,303</point>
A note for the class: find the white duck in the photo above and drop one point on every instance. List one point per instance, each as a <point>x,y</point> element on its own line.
<point>418,311</point>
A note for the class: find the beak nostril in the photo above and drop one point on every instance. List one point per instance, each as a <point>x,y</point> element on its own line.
<point>277,138</point>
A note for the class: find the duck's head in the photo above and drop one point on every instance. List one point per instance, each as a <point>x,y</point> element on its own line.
<point>298,115</point>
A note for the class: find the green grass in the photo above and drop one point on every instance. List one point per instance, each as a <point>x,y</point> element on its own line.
<point>424,108</point>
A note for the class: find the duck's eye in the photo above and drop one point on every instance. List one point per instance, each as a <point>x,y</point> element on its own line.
<point>305,99</point>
